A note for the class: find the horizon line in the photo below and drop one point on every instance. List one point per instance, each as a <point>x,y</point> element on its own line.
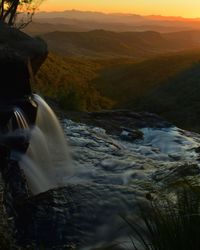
<point>121,13</point>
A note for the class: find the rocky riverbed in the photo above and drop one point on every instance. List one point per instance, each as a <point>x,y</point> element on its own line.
<point>112,171</point>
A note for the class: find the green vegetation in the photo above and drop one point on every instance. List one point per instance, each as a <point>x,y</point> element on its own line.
<point>5,241</point>
<point>11,10</point>
<point>168,85</point>
<point>177,99</point>
<point>68,81</point>
<point>169,223</point>
<point>129,82</point>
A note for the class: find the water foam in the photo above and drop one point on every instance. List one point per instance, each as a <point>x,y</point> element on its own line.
<point>47,161</point>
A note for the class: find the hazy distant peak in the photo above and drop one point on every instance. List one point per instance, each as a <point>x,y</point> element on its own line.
<point>78,21</point>
<point>171,18</point>
<point>88,14</point>
<point>91,15</point>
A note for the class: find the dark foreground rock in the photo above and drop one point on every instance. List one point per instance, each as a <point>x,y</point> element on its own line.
<point>16,48</point>
<point>111,175</point>
<point>77,215</point>
<point>24,45</point>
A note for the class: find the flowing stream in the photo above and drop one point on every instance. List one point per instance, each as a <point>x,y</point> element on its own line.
<point>47,163</point>
<point>108,178</point>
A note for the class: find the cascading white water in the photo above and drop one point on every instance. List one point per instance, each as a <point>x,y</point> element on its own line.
<point>47,162</point>
<point>21,120</point>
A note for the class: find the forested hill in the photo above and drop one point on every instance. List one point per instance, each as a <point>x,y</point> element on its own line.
<point>168,85</point>
<point>68,81</point>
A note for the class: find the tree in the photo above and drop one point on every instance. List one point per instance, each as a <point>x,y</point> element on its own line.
<point>18,13</point>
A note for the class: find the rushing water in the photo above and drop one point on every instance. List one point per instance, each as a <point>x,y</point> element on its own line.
<point>47,161</point>
<point>112,175</point>
<point>20,117</point>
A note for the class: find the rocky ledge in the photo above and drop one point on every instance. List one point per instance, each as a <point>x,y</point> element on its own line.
<point>111,174</point>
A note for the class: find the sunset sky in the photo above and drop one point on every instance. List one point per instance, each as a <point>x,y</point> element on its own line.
<point>185,8</point>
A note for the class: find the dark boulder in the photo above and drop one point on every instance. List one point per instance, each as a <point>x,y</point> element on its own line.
<point>16,51</point>
<point>80,215</point>
<point>24,45</point>
<point>14,76</point>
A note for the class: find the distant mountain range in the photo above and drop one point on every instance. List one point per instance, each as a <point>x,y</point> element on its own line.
<point>113,17</point>
<point>108,44</point>
<point>100,61</point>
<point>74,20</point>
<point>41,26</point>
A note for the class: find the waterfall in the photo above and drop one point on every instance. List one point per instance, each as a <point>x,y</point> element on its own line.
<point>20,118</point>
<point>46,163</point>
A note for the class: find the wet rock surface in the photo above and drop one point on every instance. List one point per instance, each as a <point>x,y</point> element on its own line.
<point>81,214</point>
<point>110,176</point>
<point>117,121</point>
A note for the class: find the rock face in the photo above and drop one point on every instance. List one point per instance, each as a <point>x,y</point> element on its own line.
<point>15,83</point>
<point>24,45</point>
<point>16,48</point>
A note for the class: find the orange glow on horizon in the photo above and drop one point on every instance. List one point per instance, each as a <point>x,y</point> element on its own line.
<point>181,8</point>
